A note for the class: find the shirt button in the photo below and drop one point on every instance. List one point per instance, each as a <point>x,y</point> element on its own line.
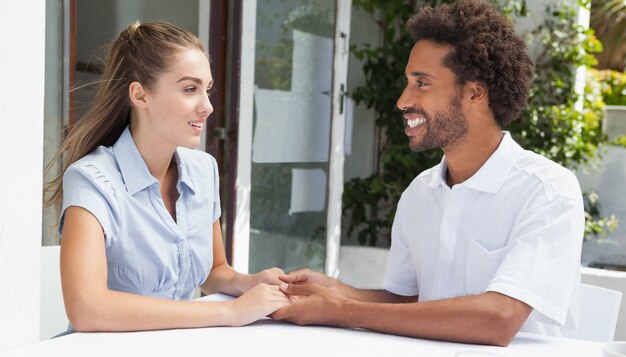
<point>451,219</point>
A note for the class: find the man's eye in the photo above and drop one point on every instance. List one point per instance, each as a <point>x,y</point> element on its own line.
<point>421,84</point>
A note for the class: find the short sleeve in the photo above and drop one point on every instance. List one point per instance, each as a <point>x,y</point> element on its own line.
<point>87,187</point>
<point>400,276</point>
<point>541,264</point>
<point>217,210</point>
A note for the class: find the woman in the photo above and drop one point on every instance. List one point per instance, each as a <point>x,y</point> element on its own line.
<point>140,209</point>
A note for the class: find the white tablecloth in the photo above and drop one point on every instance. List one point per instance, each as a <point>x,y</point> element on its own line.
<point>273,338</point>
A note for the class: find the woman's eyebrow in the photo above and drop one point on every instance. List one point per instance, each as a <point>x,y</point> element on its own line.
<point>194,79</point>
<point>197,80</point>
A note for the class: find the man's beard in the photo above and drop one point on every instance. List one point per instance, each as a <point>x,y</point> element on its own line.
<point>442,129</point>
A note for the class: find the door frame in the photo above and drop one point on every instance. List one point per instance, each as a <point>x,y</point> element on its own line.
<point>240,241</point>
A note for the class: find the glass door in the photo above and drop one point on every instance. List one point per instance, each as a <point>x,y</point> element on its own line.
<point>291,132</point>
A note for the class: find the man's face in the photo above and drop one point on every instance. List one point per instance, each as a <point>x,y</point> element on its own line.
<point>431,103</point>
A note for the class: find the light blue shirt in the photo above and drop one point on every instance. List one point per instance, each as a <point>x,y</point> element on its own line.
<point>148,253</point>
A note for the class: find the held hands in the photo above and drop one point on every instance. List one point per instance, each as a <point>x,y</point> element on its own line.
<point>315,298</point>
<point>268,276</point>
<point>307,276</point>
<point>261,296</point>
<point>258,302</point>
<point>312,304</point>
<point>304,297</point>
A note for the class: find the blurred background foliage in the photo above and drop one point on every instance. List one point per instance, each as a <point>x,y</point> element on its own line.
<point>611,84</point>
<point>559,123</point>
<point>608,19</point>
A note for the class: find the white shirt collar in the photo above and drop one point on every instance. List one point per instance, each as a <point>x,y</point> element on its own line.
<point>491,175</point>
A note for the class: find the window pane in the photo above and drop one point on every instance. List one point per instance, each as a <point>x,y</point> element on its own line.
<point>290,148</point>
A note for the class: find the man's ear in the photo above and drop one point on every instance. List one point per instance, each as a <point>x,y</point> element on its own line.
<point>476,92</point>
<point>138,95</point>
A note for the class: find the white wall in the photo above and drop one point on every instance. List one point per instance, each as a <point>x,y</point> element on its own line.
<point>608,181</point>
<point>21,148</point>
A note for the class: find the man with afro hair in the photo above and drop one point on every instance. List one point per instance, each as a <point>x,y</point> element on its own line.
<point>487,243</point>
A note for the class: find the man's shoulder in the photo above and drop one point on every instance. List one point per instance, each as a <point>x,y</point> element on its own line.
<point>553,177</point>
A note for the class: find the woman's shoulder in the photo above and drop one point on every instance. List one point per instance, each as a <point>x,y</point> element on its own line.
<point>99,166</point>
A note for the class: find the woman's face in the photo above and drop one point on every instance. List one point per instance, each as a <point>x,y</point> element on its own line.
<point>178,103</point>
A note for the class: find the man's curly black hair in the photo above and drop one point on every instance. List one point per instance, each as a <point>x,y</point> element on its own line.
<point>486,50</point>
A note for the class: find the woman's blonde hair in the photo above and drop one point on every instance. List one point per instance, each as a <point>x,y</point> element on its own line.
<point>139,53</point>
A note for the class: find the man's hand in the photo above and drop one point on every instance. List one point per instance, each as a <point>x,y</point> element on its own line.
<point>313,304</point>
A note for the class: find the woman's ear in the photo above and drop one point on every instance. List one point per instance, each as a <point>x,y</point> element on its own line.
<point>138,95</point>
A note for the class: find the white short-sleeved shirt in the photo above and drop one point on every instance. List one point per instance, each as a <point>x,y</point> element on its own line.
<point>148,253</point>
<point>515,227</point>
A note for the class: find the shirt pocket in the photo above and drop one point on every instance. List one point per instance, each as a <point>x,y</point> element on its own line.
<point>481,266</point>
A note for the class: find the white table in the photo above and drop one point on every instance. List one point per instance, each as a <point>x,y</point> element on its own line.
<point>275,339</point>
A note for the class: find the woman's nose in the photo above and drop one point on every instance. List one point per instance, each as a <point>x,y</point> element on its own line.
<point>206,108</point>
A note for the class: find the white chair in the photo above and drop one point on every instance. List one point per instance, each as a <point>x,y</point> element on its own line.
<point>53,319</point>
<point>362,267</point>
<point>599,308</point>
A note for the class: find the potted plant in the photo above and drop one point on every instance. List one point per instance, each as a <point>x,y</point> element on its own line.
<point>612,86</point>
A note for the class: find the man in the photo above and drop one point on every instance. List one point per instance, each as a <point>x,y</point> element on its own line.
<point>487,242</point>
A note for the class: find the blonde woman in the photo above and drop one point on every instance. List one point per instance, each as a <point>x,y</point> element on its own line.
<point>140,209</point>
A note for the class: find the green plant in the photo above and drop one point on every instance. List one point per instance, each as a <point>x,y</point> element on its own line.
<point>369,203</point>
<point>612,86</point>
<point>595,224</point>
<point>551,125</point>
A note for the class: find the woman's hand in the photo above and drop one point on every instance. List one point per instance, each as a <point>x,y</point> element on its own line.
<point>258,302</point>
<point>268,276</point>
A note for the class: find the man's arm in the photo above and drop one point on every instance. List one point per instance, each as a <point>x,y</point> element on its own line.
<point>490,318</point>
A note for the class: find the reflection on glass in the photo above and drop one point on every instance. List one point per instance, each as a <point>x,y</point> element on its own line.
<point>290,149</point>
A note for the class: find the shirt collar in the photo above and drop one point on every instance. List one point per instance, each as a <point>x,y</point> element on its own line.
<point>183,172</point>
<point>135,171</point>
<point>490,177</point>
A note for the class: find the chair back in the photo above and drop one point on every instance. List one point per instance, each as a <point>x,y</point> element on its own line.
<point>599,309</point>
<point>53,318</point>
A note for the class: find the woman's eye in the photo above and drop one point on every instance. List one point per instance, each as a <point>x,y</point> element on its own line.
<point>210,91</point>
<point>190,89</point>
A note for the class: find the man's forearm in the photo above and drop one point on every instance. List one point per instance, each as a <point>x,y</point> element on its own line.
<point>365,295</point>
<point>490,318</point>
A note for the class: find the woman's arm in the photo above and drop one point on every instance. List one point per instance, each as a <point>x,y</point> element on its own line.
<point>91,306</point>
<point>225,279</point>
